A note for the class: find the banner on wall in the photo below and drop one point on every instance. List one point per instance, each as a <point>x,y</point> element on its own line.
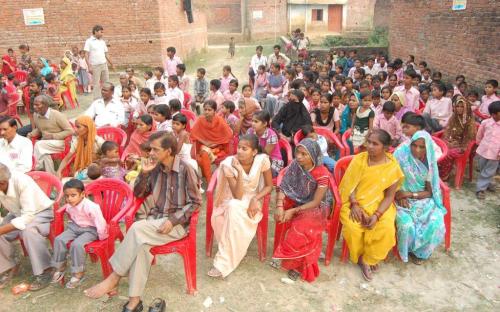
<point>33,17</point>
<point>459,5</point>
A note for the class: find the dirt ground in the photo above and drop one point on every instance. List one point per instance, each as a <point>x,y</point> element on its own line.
<point>464,279</point>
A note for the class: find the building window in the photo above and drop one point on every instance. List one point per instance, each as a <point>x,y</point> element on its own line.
<point>317,15</point>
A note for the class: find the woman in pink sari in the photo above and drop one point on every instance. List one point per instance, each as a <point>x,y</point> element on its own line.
<point>145,126</point>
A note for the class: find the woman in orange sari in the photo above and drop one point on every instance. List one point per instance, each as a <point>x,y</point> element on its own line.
<point>212,135</point>
<point>145,126</point>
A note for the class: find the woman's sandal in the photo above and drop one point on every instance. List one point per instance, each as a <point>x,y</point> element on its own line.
<point>293,275</point>
<point>158,305</point>
<point>58,277</point>
<point>74,282</point>
<point>213,272</point>
<point>138,308</point>
<point>365,270</point>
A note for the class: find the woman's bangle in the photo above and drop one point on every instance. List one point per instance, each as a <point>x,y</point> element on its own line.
<point>378,214</point>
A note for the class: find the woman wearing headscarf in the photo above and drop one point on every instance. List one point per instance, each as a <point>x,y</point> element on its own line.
<point>67,80</point>
<point>45,68</point>
<point>461,130</point>
<point>367,191</point>
<point>85,147</point>
<point>303,203</point>
<point>420,210</point>
<point>247,108</point>
<point>292,116</point>
<point>398,98</point>
<point>145,126</point>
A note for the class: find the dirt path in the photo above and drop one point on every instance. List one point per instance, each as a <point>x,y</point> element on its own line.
<point>464,279</point>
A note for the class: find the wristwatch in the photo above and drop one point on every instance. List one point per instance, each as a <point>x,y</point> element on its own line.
<point>414,195</point>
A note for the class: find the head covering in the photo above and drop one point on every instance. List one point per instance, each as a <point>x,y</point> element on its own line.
<point>217,131</point>
<point>461,129</point>
<point>296,115</point>
<point>46,67</point>
<point>401,97</point>
<point>67,71</point>
<point>416,171</point>
<point>85,148</point>
<point>298,184</point>
<point>346,119</point>
<point>136,139</point>
<point>251,107</point>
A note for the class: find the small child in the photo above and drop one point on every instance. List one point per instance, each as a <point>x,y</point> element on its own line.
<point>490,96</point>
<point>488,151</point>
<point>184,145</point>
<point>130,105</point>
<point>438,110</point>
<point>388,122</point>
<point>315,97</point>
<point>83,74</point>
<point>337,102</point>
<point>161,114</point>
<point>227,111</point>
<point>473,98</point>
<point>160,97</point>
<point>232,93</point>
<point>376,106</point>
<point>53,89</point>
<point>411,123</point>
<point>200,90</point>
<point>261,83</point>
<point>149,81</point>
<point>183,79</point>
<point>110,162</point>
<point>173,91</point>
<point>158,75</point>
<point>175,107</point>
<point>363,121</point>
<point>146,100</point>
<point>86,224</point>
<point>135,163</point>
<point>308,132</point>
<point>232,47</point>
<point>216,94</point>
<point>425,94</point>
<point>226,78</point>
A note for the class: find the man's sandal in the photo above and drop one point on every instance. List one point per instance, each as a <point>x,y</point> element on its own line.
<point>74,282</point>
<point>138,308</point>
<point>158,305</point>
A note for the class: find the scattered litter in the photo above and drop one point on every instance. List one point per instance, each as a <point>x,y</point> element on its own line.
<point>363,286</point>
<point>221,299</point>
<point>342,281</point>
<point>262,287</point>
<point>34,300</point>
<point>286,280</point>
<point>208,302</point>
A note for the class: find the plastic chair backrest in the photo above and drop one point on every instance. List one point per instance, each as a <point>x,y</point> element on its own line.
<point>113,134</point>
<point>187,100</point>
<point>341,167</point>
<point>438,134</point>
<point>48,183</point>
<point>346,137</point>
<point>191,117</point>
<point>111,195</point>
<point>443,146</point>
<point>284,145</point>
<point>14,98</point>
<point>20,75</point>
<point>329,135</point>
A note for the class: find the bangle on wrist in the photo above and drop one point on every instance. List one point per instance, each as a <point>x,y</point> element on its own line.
<point>378,214</point>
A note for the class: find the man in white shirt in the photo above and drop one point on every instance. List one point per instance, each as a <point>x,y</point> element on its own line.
<point>273,58</point>
<point>381,64</point>
<point>96,55</point>
<point>257,60</point>
<point>124,81</point>
<point>15,151</point>
<point>106,111</point>
<point>370,68</point>
<point>29,217</point>
<point>357,64</point>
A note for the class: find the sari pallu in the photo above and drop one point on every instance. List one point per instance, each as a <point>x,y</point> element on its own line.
<point>300,245</point>
<point>68,82</point>
<point>420,228</point>
<point>369,184</point>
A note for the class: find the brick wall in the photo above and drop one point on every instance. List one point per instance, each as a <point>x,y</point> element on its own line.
<point>453,42</point>
<point>136,31</point>
<point>382,13</point>
<point>224,15</point>
<point>274,17</point>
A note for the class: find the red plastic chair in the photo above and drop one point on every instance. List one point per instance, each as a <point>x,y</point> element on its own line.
<point>21,75</point>
<point>115,199</point>
<point>26,100</point>
<point>67,98</point>
<point>347,147</point>
<point>185,247</point>
<point>443,146</point>
<point>14,99</point>
<point>187,100</point>
<point>332,226</point>
<point>328,134</point>
<point>191,117</point>
<point>438,134</point>
<point>261,228</point>
<point>461,164</point>
<point>33,163</point>
<point>481,115</point>
<point>283,144</point>
<point>114,134</point>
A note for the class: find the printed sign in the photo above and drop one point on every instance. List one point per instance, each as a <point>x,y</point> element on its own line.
<point>33,17</point>
<point>459,5</point>
<point>257,14</point>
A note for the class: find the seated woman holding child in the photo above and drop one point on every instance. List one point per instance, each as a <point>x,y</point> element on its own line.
<point>303,202</point>
<point>420,210</point>
<point>212,135</point>
<point>243,181</point>
<point>367,191</point>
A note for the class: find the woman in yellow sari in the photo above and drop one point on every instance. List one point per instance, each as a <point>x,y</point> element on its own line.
<point>67,81</point>
<point>368,212</point>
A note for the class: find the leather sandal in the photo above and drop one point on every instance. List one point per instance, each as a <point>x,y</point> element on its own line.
<point>138,308</point>
<point>158,305</point>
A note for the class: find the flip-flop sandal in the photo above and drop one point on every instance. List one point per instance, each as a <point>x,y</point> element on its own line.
<point>158,305</point>
<point>275,264</point>
<point>293,275</point>
<point>374,268</point>
<point>57,277</point>
<point>213,272</point>
<point>74,282</point>
<point>138,308</point>
<point>365,273</point>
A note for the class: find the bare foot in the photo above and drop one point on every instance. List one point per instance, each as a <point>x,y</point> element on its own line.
<point>374,268</point>
<point>104,287</point>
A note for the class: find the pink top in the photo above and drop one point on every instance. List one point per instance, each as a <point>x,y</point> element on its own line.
<point>412,97</point>
<point>232,97</point>
<point>184,83</point>
<point>217,97</point>
<point>171,65</point>
<point>488,137</point>
<point>392,126</point>
<point>486,101</point>
<point>224,83</point>
<point>378,109</point>
<point>439,109</point>
<point>87,214</point>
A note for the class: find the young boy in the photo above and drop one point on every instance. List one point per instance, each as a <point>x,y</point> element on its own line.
<point>488,151</point>
<point>173,91</point>
<point>412,96</point>
<point>215,94</point>
<point>149,81</point>
<point>490,96</point>
<point>160,97</point>
<point>227,111</point>
<point>438,110</point>
<point>86,224</point>
<point>473,98</point>
<point>386,121</point>
<point>171,62</point>
<point>308,132</point>
<point>200,90</point>
<point>175,107</point>
<point>158,76</point>
<point>412,123</point>
<point>232,47</point>
<point>183,79</point>
<point>377,107</point>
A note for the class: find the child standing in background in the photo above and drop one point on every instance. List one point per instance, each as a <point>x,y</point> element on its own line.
<point>83,74</point>
<point>232,47</point>
<point>200,90</point>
